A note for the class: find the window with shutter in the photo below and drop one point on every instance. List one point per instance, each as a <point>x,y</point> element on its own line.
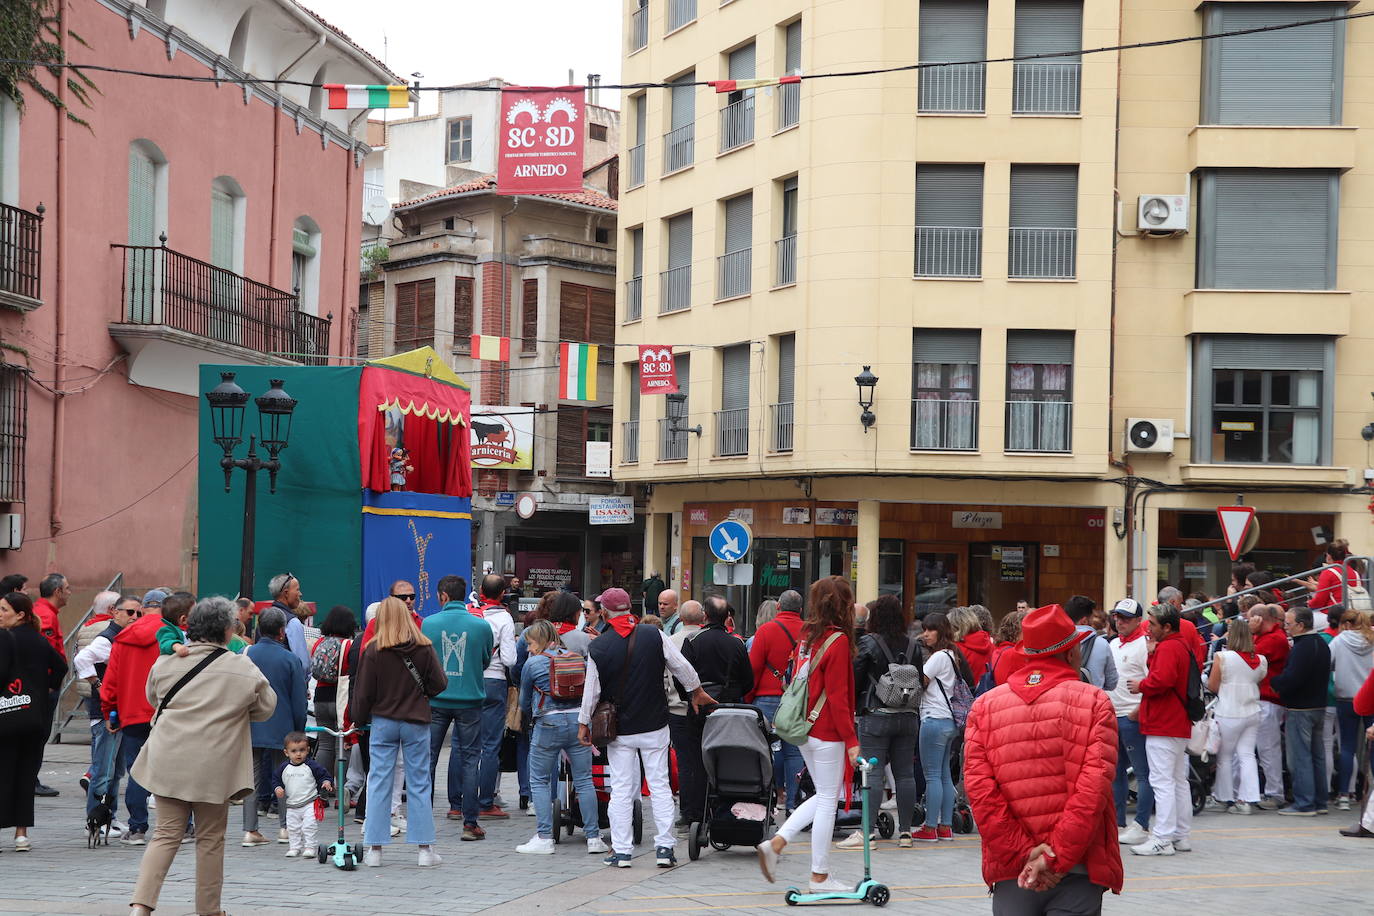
<point>944,407</point>
<point>221,229</point>
<point>572,449</point>
<point>405,316</point>
<point>1039,390</point>
<point>462,314</point>
<point>952,30</point>
<point>949,220</point>
<point>732,422</point>
<point>600,317</point>
<point>142,198</point>
<point>634,396</point>
<point>676,280</point>
<point>680,241</point>
<point>1288,77</point>
<point>1043,238</point>
<point>586,314</point>
<point>414,314</point>
<point>736,264</point>
<point>1047,86</point>
<point>792,45</point>
<point>1267,229</point>
<point>529,317</point>
<point>572,312</point>
<point>679,144</point>
<point>787,368</point>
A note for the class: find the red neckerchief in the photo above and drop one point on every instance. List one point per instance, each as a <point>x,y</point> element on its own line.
<point>564,627</point>
<point>1251,659</point>
<point>1039,675</point>
<point>1136,634</point>
<point>623,624</point>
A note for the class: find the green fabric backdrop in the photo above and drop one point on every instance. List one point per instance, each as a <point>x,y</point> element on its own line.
<point>312,526</point>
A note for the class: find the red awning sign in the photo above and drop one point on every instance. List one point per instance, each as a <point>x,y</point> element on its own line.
<point>541,140</point>
<point>656,371</point>
<point>1235,525</point>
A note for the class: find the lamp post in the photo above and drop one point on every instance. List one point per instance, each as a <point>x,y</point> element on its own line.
<point>228,404</point>
<point>866,381</point>
<point>677,413</point>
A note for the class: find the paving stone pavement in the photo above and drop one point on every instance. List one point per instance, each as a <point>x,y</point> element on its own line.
<point>1257,865</point>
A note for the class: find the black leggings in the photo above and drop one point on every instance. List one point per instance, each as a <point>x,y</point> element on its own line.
<point>21,757</point>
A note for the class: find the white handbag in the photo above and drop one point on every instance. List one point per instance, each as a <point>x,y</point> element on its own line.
<point>1206,739</point>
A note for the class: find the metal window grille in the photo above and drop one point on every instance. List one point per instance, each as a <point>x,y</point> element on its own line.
<point>21,237</point>
<point>634,299</point>
<point>629,442</point>
<point>732,432</point>
<point>1044,87</point>
<point>954,88</point>
<point>782,426</point>
<point>737,124</point>
<point>680,12</point>
<point>1042,253</point>
<point>14,410</point>
<point>671,446</point>
<point>639,27</point>
<point>733,270</point>
<point>1039,426</point>
<point>949,251</point>
<point>678,148</point>
<point>676,291</point>
<point>789,105</point>
<point>785,253</point>
<point>636,166</point>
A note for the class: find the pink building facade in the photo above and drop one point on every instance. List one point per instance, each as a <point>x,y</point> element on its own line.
<point>103,324</point>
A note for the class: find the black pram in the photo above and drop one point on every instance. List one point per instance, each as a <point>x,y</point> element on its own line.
<point>737,752</point>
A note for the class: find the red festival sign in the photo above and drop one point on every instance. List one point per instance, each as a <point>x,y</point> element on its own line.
<point>656,372</point>
<point>541,140</point>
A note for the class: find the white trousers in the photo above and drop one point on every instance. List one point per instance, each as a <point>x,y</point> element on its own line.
<point>1329,745</point>
<point>1367,819</point>
<point>1237,768</point>
<point>624,755</point>
<point>1269,748</point>
<point>825,763</point>
<point>300,828</point>
<point>1169,778</point>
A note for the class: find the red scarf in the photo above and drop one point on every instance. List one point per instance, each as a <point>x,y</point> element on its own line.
<point>1251,659</point>
<point>1135,634</point>
<point>623,624</point>
<point>564,627</point>
<point>1040,674</point>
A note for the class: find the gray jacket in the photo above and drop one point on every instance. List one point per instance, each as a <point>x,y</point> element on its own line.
<point>1097,660</point>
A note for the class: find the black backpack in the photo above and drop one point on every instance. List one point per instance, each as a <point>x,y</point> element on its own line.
<point>1194,703</point>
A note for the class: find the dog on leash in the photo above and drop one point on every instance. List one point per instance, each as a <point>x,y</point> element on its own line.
<point>98,825</point>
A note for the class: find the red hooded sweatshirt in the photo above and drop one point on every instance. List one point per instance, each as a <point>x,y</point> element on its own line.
<point>1273,646</point>
<point>977,648</point>
<point>124,688</point>
<point>1164,692</point>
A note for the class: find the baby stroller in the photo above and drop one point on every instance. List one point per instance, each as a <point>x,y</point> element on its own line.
<point>566,815</point>
<point>737,752</point>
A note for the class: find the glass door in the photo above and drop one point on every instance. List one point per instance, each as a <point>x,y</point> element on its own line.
<point>1002,574</point>
<point>939,577</point>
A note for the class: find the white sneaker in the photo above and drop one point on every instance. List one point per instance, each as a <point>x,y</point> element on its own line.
<point>890,804</point>
<point>1241,808</point>
<point>429,858</point>
<point>830,884</point>
<point>373,858</point>
<point>1215,804</point>
<point>116,828</point>
<point>292,853</point>
<point>1343,803</point>
<point>1132,834</point>
<point>855,840</point>
<point>1154,846</point>
<point>596,845</point>
<point>283,836</point>
<point>537,846</point>
<point>1183,845</point>
<point>768,859</point>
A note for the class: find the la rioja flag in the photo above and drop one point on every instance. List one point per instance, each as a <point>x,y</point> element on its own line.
<point>577,371</point>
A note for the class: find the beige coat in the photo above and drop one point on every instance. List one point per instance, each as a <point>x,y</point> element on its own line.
<point>200,749</point>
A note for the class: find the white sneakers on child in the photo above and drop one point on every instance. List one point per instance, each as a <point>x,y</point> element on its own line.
<point>292,853</point>
<point>429,858</point>
<point>373,858</point>
<point>537,846</point>
<point>830,884</point>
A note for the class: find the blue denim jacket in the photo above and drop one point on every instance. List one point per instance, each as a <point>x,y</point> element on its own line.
<point>534,685</point>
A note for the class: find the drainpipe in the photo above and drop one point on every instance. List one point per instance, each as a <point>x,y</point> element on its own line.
<point>59,404</point>
<point>272,259</point>
<point>505,279</point>
<point>350,249</point>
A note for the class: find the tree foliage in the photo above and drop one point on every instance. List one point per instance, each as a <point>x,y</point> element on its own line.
<point>31,41</point>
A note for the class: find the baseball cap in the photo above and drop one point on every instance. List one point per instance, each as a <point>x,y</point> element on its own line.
<point>154,598</point>
<point>615,600</point>
<point>1128,607</point>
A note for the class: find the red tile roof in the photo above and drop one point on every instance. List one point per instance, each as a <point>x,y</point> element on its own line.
<point>396,80</point>
<point>586,197</point>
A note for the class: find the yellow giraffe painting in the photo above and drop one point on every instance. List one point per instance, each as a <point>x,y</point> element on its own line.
<point>422,579</point>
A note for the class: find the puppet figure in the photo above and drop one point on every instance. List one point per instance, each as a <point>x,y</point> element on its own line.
<point>400,467</point>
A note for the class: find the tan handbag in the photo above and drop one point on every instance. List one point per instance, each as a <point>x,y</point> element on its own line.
<point>513,708</point>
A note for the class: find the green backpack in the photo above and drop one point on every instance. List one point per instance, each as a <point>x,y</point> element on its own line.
<point>793,720</point>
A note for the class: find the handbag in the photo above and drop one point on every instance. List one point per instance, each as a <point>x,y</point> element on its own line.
<point>19,712</point>
<point>513,709</point>
<point>1206,738</point>
<point>604,724</point>
<point>794,720</point>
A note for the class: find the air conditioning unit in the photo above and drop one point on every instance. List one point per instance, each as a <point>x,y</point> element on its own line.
<point>1162,213</point>
<point>1150,436</point>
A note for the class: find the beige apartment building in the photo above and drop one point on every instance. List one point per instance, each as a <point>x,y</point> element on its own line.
<point>974,235</point>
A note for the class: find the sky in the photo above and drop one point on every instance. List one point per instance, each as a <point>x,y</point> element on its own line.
<point>534,42</point>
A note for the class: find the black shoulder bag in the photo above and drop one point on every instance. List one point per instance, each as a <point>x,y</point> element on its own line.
<point>186,679</point>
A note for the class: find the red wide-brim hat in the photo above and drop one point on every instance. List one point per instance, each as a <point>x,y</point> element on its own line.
<point>1048,631</point>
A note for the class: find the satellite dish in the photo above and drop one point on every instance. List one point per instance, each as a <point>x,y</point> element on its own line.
<point>375,210</point>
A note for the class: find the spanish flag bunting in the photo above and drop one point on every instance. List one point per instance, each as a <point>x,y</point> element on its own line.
<point>737,85</point>
<point>341,96</point>
<point>577,371</point>
<point>496,349</point>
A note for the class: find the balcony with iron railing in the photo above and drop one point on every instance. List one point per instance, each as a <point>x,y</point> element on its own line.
<point>1042,253</point>
<point>202,305</point>
<point>21,258</point>
<point>672,446</point>
<point>953,89</point>
<point>1046,87</point>
<point>940,424</point>
<point>1039,426</point>
<point>949,251</point>
<point>639,28</point>
<point>629,442</point>
<point>680,12</point>
<point>732,432</point>
<point>635,166</point>
<point>733,270</point>
<point>782,426</point>
<point>789,105</point>
<point>679,147</point>
<point>785,255</point>
<point>737,124</point>
<point>675,289</point>
<point>634,299</point>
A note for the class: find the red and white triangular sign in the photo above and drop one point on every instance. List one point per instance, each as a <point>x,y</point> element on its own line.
<point>1235,522</point>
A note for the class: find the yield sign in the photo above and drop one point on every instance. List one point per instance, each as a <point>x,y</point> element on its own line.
<point>1235,524</point>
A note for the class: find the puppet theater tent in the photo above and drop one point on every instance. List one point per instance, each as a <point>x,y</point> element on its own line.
<point>335,522</point>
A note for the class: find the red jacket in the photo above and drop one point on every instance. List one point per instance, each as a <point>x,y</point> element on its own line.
<point>1038,767</point>
<point>1273,646</point>
<point>834,675</point>
<point>977,649</point>
<point>1364,700</point>
<point>1328,593</point>
<point>50,624</point>
<point>1164,692</point>
<point>124,688</point>
<point>1007,659</point>
<point>772,646</point>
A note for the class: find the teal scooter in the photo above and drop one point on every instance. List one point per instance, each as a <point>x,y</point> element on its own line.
<point>344,855</point>
<point>867,890</point>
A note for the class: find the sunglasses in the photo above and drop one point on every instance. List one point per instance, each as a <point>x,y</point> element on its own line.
<point>410,597</point>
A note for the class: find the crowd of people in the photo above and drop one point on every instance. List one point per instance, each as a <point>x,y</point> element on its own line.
<point>1063,732</point>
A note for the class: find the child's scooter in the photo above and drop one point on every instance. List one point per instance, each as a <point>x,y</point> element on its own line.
<point>867,890</point>
<point>343,854</point>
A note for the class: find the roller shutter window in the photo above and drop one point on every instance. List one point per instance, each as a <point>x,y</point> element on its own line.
<point>952,30</point>
<point>641,110</point>
<point>1050,85</point>
<point>1039,390</point>
<point>787,368</point>
<point>634,398</point>
<point>949,220</point>
<point>792,48</point>
<point>1043,238</point>
<point>683,101</point>
<point>734,365</point>
<point>636,253</point>
<point>1268,229</point>
<point>680,241</point>
<point>944,410</point>
<point>739,223</point>
<point>529,315</point>
<point>1286,77</point>
<point>741,63</point>
<point>142,198</point>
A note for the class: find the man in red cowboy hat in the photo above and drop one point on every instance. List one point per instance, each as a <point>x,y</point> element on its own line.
<point>1039,758</point>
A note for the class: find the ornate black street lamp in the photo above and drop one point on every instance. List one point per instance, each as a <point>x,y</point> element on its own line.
<point>866,381</point>
<point>228,404</point>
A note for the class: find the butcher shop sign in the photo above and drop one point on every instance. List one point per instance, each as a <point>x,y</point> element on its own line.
<point>503,438</point>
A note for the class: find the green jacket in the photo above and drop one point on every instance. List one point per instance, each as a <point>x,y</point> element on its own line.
<point>168,635</point>
<point>464,643</point>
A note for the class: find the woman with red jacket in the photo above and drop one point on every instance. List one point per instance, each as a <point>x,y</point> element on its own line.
<point>1326,587</point>
<point>974,643</point>
<point>832,748</point>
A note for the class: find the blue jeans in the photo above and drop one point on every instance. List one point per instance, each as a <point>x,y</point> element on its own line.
<point>787,758</point>
<point>132,738</point>
<point>937,743</point>
<point>555,734</point>
<point>1306,757</point>
<point>493,730</point>
<point>107,766</point>
<point>464,755</point>
<point>1131,752</point>
<point>1348,726</point>
<point>412,739</point>
<point>522,763</point>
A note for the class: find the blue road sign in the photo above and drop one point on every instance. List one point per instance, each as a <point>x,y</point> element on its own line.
<point>730,540</point>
